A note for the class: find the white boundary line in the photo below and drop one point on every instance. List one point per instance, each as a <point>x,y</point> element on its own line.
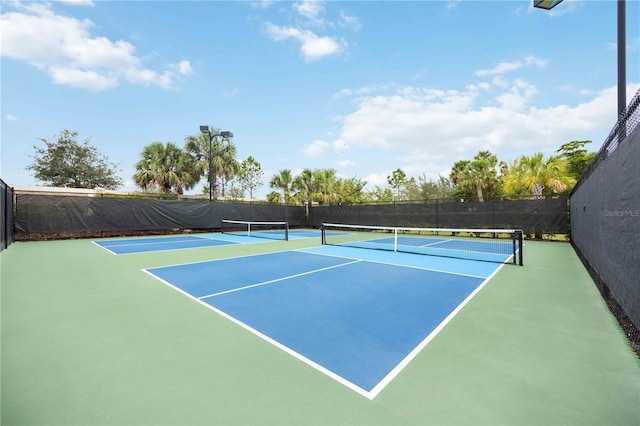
<point>132,242</point>
<point>104,248</point>
<point>168,249</point>
<point>390,376</point>
<point>275,343</point>
<point>226,258</point>
<point>277,280</point>
<point>398,368</point>
<point>394,264</point>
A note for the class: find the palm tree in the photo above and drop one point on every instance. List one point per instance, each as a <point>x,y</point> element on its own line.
<point>284,181</point>
<point>164,167</point>
<point>303,184</point>
<point>476,175</point>
<point>222,159</point>
<point>534,175</point>
<point>274,197</point>
<point>325,186</point>
<point>231,169</point>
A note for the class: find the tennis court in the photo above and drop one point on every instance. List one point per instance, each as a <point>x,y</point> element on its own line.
<point>296,332</point>
<point>161,243</point>
<point>349,313</point>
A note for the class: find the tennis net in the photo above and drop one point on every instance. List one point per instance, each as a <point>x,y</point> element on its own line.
<point>490,245</point>
<point>270,230</point>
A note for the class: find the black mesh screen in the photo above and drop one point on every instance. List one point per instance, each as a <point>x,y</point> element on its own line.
<point>544,216</point>
<point>605,221</point>
<point>38,213</point>
<point>6,215</point>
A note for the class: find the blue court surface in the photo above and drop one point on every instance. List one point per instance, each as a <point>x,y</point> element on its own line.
<point>162,243</point>
<point>145,245</point>
<point>359,316</point>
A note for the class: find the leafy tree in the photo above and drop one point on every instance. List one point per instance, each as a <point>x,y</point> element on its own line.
<point>380,195</point>
<point>397,181</point>
<point>426,190</point>
<point>164,167</point>
<point>236,192</point>
<point>67,163</point>
<point>477,175</point>
<point>218,152</point>
<point>284,181</point>
<point>411,190</point>
<point>439,189</point>
<point>578,159</point>
<point>351,191</point>
<point>250,175</point>
<point>536,176</point>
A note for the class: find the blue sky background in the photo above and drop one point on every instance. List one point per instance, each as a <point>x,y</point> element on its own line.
<point>362,87</point>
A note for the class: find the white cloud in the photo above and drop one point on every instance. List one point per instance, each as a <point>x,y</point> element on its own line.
<point>349,21</point>
<point>505,67</point>
<point>310,9</point>
<point>10,117</point>
<point>452,4</point>
<point>183,67</point>
<point>312,46</point>
<point>263,4</point>
<point>567,6</point>
<point>423,130</point>
<point>377,179</point>
<point>74,77</point>
<point>316,149</point>
<point>231,93</point>
<point>77,2</point>
<point>67,50</point>
<point>360,91</point>
<point>343,93</point>
<point>307,21</point>
<point>345,164</point>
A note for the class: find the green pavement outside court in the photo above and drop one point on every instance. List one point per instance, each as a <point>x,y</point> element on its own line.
<point>87,338</point>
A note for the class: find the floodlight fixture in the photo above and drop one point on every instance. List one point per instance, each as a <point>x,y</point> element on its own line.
<point>225,134</point>
<point>546,4</point>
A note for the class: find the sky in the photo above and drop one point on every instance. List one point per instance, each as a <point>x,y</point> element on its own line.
<point>362,87</point>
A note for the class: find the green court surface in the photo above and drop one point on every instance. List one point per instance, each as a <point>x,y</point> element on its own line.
<point>88,338</point>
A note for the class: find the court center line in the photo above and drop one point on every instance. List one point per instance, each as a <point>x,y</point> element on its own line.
<point>277,279</point>
<point>434,243</point>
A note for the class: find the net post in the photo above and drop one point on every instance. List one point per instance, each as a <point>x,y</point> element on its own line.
<point>323,234</point>
<point>520,246</point>
<point>395,239</point>
<point>286,231</point>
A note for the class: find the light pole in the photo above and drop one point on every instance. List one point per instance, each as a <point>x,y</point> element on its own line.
<point>225,134</point>
<point>622,54</point>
